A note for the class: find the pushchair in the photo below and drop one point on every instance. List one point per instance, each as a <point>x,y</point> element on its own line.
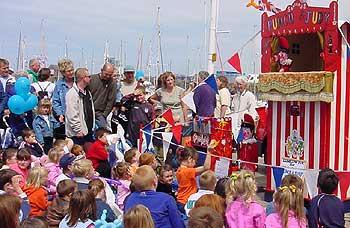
<point>8,139</point>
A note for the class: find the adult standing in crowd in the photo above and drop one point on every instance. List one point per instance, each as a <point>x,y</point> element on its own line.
<point>129,83</point>
<point>80,114</point>
<point>170,97</point>
<point>4,75</point>
<point>204,96</point>
<point>223,99</point>
<point>59,94</point>
<point>104,91</point>
<point>44,87</point>
<point>34,67</point>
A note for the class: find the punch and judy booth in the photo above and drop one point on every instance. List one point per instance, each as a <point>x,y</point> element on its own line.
<point>306,80</point>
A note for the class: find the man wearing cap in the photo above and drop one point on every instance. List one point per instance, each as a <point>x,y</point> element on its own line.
<point>129,83</point>
<point>204,96</point>
<point>104,91</point>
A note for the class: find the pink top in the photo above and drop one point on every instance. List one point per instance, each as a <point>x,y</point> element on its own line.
<point>23,172</point>
<point>275,221</point>
<point>54,171</point>
<point>240,214</point>
<point>123,192</point>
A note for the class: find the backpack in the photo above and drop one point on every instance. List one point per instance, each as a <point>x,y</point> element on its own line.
<point>43,93</point>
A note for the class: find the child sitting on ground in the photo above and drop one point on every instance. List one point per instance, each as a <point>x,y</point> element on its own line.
<point>122,173</point>
<point>326,209</point>
<point>289,205</point>
<point>98,154</point>
<point>36,191</point>
<point>242,209</point>
<point>165,180</point>
<point>52,166</point>
<point>207,182</point>
<point>8,157</point>
<point>132,157</point>
<point>97,186</point>
<point>59,207</point>
<point>148,159</point>
<point>22,166</point>
<point>138,216</point>
<point>30,143</point>
<point>43,124</point>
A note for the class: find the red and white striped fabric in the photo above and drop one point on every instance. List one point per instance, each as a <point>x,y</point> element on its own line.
<point>324,127</point>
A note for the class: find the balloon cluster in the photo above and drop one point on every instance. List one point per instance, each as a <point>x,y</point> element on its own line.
<point>23,101</point>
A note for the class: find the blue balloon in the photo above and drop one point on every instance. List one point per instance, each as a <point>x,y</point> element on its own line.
<point>16,104</point>
<point>31,102</point>
<point>22,86</point>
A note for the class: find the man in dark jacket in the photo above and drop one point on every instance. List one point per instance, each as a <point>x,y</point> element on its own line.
<point>104,91</point>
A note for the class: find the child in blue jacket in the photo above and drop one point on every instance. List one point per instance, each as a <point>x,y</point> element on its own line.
<point>44,124</point>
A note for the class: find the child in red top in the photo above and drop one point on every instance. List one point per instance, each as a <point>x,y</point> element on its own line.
<point>36,191</point>
<point>186,173</point>
<point>98,153</point>
<point>22,166</point>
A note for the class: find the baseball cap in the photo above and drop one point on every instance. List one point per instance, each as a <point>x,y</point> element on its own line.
<point>129,68</point>
<point>66,160</point>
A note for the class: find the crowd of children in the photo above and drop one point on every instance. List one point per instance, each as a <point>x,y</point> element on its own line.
<point>63,189</point>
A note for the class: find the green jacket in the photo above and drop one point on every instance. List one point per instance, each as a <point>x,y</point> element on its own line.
<point>33,74</point>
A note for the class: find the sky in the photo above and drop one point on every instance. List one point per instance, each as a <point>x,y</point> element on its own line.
<point>88,24</point>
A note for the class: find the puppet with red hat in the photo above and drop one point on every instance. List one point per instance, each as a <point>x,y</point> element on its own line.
<point>282,57</point>
<point>249,148</point>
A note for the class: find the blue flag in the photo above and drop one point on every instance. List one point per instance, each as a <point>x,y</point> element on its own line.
<point>240,136</point>
<point>277,175</point>
<point>148,134</point>
<point>211,81</point>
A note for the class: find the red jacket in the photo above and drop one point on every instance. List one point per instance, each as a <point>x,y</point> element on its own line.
<point>97,153</point>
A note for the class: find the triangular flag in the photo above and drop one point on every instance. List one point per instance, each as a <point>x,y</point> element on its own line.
<point>211,81</point>
<point>168,116</point>
<point>348,53</point>
<point>235,62</point>
<point>240,136</point>
<point>277,175</point>
<point>167,136</point>
<point>344,182</point>
<point>148,134</point>
<point>177,131</point>
<point>188,100</point>
<point>311,182</point>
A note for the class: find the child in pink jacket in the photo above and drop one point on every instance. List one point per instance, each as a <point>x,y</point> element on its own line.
<point>242,210</point>
<point>289,205</point>
<point>54,170</point>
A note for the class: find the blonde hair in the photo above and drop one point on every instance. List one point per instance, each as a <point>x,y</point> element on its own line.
<point>286,198</point>
<point>138,216</point>
<point>82,167</point>
<point>77,150</point>
<point>34,176</point>
<point>45,102</point>
<point>207,180</point>
<point>55,154</point>
<point>242,185</point>
<point>144,178</point>
<point>64,65</point>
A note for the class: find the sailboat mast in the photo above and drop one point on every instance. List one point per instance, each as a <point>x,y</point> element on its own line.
<point>149,64</point>
<point>20,53</point>
<point>159,54</point>
<point>92,61</point>
<point>106,54</point>
<point>43,55</point>
<point>212,36</point>
<point>66,48</point>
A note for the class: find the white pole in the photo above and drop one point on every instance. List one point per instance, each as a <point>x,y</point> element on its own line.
<point>158,43</point>
<point>212,37</point>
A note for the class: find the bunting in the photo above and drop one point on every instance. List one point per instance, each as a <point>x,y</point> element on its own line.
<point>311,182</point>
<point>167,136</point>
<point>277,175</point>
<point>177,131</point>
<point>148,135</point>
<point>235,62</point>
<point>168,116</point>
<point>188,100</point>
<point>211,81</point>
<point>344,183</point>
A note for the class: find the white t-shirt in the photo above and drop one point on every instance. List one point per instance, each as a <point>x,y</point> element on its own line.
<point>194,197</point>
